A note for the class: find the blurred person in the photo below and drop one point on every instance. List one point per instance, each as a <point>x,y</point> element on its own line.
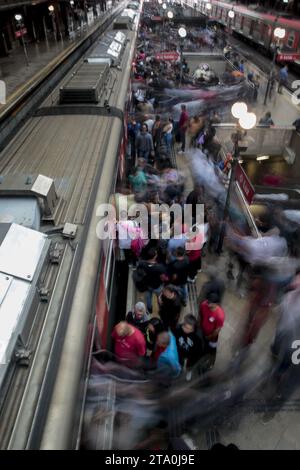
<point>212,318</point>
<point>129,344</point>
<point>154,275</point>
<point>149,123</point>
<point>182,126</point>
<point>194,252</point>
<point>297,124</point>
<point>178,271</point>
<point>168,134</point>
<point>242,66</point>
<point>283,78</point>
<point>194,198</point>
<point>170,305</point>
<point>266,120</point>
<point>133,131</point>
<point>214,285</point>
<point>166,355</point>
<point>285,374</point>
<point>157,131</point>
<point>144,144</point>
<point>190,345</point>
<point>127,232</point>
<point>137,180</point>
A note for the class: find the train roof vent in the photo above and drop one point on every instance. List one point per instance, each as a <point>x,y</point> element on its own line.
<point>86,84</point>
<point>111,47</point>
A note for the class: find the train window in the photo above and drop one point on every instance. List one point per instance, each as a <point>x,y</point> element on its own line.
<point>239,22</point>
<point>291,39</point>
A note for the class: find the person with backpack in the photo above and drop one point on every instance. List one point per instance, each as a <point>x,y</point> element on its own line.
<point>170,305</point>
<point>149,276</point>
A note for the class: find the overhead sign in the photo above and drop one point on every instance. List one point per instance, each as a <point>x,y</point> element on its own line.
<point>244,183</point>
<point>167,56</point>
<point>21,32</point>
<point>288,57</point>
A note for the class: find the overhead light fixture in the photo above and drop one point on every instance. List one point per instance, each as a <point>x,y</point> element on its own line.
<point>279,33</point>
<point>182,32</point>
<point>208,6</point>
<point>170,14</point>
<point>241,161</point>
<point>262,157</point>
<point>239,109</point>
<point>247,121</point>
<point>231,14</point>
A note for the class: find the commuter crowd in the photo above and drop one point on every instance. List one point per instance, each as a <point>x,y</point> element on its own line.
<point>167,338</point>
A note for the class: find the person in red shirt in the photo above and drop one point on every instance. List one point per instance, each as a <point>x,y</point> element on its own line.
<point>212,319</point>
<point>183,124</point>
<point>129,344</point>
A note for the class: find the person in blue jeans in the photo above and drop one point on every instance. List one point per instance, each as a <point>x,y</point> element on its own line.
<point>283,78</point>
<point>154,275</point>
<point>144,143</point>
<point>168,134</point>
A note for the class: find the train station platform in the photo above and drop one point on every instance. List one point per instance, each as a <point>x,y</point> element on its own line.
<point>245,425</point>
<point>43,57</point>
<point>283,108</point>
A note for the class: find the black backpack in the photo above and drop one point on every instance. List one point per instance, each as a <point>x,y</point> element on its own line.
<point>139,277</point>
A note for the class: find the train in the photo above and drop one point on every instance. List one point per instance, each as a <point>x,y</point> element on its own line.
<point>58,280</point>
<point>254,26</point>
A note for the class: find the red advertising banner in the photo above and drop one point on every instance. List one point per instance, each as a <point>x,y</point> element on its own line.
<point>21,32</point>
<point>288,57</point>
<point>244,183</point>
<point>167,56</point>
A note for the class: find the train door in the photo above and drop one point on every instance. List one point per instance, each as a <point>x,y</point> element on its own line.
<point>247,26</point>
<point>257,30</point>
<point>252,26</point>
<point>266,34</point>
<point>291,42</point>
<point>239,22</point>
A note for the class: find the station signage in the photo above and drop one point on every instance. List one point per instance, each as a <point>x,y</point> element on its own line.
<point>167,56</point>
<point>21,32</point>
<point>288,57</point>
<point>244,183</point>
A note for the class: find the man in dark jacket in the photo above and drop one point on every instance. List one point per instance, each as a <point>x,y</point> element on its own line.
<point>169,306</point>
<point>178,271</point>
<point>154,276</point>
<point>190,345</point>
